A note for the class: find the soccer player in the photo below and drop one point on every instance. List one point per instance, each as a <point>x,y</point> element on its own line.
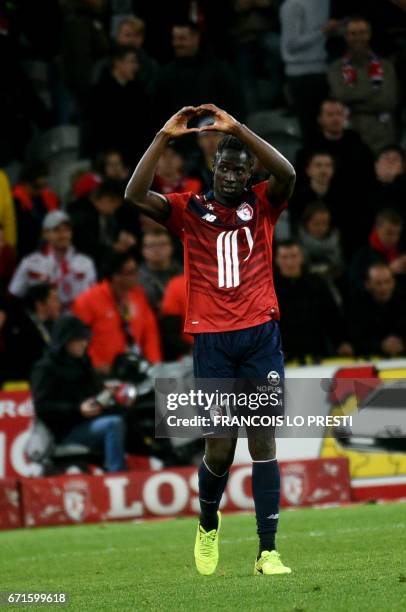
<point>231,303</point>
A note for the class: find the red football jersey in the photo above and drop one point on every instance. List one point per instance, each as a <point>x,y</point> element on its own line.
<point>228,259</point>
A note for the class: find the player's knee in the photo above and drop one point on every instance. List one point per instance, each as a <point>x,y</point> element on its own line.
<point>262,449</point>
<point>220,456</point>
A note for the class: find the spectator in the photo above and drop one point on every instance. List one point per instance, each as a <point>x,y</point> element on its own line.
<point>318,184</point>
<point>131,33</point>
<point>28,329</point>
<point>7,213</point>
<point>383,247</point>
<point>109,165</point>
<point>84,41</point>
<point>200,163</point>
<point>320,242</point>
<point>193,76</point>
<point>175,342</point>
<point>255,32</point>
<point>33,200</point>
<point>119,316</point>
<point>389,187</point>
<point>116,115</point>
<point>65,388</point>
<point>377,315</point>
<point>58,263</point>
<point>158,266</point>
<point>304,24</point>
<point>103,222</point>
<point>7,263</point>
<point>311,324</point>
<point>353,158</point>
<point>170,176</point>
<point>367,84</point>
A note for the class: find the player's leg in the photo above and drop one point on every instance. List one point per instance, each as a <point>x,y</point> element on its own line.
<point>212,359</point>
<point>213,476</point>
<point>264,356</point>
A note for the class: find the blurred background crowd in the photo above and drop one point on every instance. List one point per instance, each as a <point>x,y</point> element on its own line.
<point>85,86</point>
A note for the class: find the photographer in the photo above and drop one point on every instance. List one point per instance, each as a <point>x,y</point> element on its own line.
<point>65,387</point>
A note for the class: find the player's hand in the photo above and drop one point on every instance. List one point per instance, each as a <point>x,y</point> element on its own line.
<point>177,124</point>
<point>90,408</point>
<point>223,122</point>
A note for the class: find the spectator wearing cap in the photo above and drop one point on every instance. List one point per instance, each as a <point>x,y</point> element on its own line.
<point>28,330</point>
<point>102,222</point>
<point>367,84</point>
<point>158,266</point>
<point>58,263</point>
<point>118,314</point>
<point>383,247</point>
<point>65,388</point>
<point>33,200</point>
<point>376,315</point>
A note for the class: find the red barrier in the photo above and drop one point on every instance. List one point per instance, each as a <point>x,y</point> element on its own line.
<point>131,495</point>
<point>15,419</point>
<point>10,507</point>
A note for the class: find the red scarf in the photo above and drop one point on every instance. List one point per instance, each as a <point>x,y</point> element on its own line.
<point>375,71</point>
<point>390,253</point>
<point>48,197</point>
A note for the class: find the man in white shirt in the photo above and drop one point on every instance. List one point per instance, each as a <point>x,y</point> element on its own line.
<point>58,263</point>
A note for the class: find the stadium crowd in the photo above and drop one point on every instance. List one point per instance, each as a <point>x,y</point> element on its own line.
<point>115,71</point>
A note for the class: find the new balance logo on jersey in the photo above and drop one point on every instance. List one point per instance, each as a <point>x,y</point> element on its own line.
<point>228,257</point>
<point>209,217</point>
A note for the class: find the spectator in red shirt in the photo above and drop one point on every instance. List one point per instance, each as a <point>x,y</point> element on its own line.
<point>173,313</point>
<point>33,200</point>
<point>118,314</point>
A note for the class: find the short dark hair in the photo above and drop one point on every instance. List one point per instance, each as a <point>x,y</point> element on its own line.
<point>119,52</point>
<point>38,293</point>
<point>388,215</point>
<point>318,152</point>
<point>287,244</point>
<point>355,18</point>
<point>232,143</point>
<point>109,188</point>
<point>314,208</point>
<point>329,100</point>
<point>376,264</point>
<point>191,25</point>
<point>392,147</point>
<point>114,262</point>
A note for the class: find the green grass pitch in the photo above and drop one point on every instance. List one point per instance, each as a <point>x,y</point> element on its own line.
<point>343,559</point>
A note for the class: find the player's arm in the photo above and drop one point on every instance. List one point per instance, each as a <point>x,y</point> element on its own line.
<point>282,174</point>
<point>138,190</point>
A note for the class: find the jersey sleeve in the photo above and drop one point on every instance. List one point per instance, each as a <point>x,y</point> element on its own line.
<point>266,206</point>
<point>178,203</point>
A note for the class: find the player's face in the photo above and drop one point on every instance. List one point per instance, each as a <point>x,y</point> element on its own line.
<point>231,173</point>
<point>60,237</point>
<point>358,36</point>
<point>332,118</point>
<point>380,284</point>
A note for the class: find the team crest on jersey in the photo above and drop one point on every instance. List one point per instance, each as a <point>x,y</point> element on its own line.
<point>245,212</point>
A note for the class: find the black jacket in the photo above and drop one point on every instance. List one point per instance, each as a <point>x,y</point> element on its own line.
<point>60,382</point>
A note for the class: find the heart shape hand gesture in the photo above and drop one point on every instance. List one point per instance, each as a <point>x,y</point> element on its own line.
<point>177,125</point>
